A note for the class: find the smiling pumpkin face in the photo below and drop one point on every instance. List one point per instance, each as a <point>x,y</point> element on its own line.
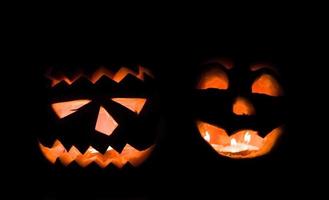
<point>101,118</point>
<point>239,109</point>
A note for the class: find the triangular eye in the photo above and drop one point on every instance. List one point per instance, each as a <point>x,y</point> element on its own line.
<point>133,104</point>
<point>63,109</point>
<point>266,84</point>
<point>214,79</point>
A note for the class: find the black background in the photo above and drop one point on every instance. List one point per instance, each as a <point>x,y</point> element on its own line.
<point>182,164</point>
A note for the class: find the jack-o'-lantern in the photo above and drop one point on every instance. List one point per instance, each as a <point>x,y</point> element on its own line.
<point>100,117</point>
<point>239,108</point>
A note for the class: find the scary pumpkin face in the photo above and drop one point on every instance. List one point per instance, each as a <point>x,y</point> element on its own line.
<point>239,108</point>
<point>100,117</point>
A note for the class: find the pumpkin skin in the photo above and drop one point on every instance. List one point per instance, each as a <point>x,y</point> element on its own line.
<point>100,117</point>
<point>239,108</point>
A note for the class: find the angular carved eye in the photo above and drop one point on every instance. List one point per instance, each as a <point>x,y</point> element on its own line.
<point>63,109</point>
<point>214,79</point>
<point>134,104</point>
<point>266,84</point>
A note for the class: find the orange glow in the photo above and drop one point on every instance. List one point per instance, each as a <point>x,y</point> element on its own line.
<point>242,106</point>
<point>133,104</point>
<point>63,109</point>
<point>266,84</point>
<point>117,76</point>
<point>57,80</point>
<point>242,144</point>
<point>214,79</point>
<point>105,122</point>
<point>128,154</point>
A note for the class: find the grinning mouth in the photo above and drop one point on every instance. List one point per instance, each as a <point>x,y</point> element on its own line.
<point>128,154</point>
<point>242,144</point>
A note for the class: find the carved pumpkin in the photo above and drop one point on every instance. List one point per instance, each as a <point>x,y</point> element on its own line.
<point>100,117</point>
<point>239,108</point>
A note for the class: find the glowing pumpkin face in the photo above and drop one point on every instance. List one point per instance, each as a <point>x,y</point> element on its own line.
<point>239,109</point>
<point>100,118</point>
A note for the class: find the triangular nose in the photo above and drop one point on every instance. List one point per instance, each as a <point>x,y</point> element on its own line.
<point>242,106</point>
<point>105,122</point>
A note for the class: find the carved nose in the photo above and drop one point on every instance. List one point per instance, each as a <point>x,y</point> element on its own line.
<point>242,106</point>
<point>105,123</point>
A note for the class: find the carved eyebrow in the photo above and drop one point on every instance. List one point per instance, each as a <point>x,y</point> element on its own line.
<point>258,67</point>
<point>228,64</point>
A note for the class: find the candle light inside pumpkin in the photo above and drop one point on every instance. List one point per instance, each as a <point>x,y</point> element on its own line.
<point>244,143</point>
<point>207,136</point>
<point>236,146</point>
<point>247,137</point>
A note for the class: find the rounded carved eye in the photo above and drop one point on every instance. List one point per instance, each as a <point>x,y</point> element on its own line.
<point>266,84</point>
<point>214,79</point>
<point>63,109</point>
<point>134,104</point>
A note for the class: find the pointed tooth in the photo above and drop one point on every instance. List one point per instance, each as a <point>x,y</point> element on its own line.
<point>57,143</point>
<point>91,150</point>
<point>109,148</point>
<point>74,152</point>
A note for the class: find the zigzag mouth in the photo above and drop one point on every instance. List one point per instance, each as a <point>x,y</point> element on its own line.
<point>244,143</point>
<point>128,154</point>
